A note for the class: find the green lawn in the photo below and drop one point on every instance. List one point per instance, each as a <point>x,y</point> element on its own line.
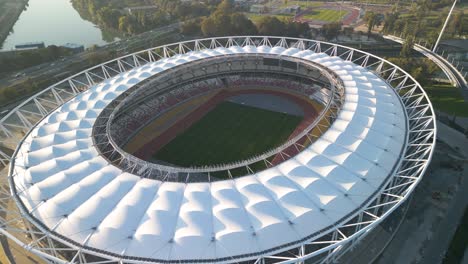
<point>256,17</point>
<point>328,15</point>
<point>448,99</point>
<point>459,242</point>
<point>228,133</point>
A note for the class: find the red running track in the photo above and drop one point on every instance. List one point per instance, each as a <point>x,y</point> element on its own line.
<point>180,126</point>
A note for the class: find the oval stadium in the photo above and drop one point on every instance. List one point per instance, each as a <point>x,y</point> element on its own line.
<point>219,150</point>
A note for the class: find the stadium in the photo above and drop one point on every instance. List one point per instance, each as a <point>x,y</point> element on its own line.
<point>220,150</point>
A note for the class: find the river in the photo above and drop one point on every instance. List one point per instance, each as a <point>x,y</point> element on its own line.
<point>55,22</point>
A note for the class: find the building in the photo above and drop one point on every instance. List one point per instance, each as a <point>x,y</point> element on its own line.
<point>75,187</point>
<point>76,48</point>
<point>30,45</point>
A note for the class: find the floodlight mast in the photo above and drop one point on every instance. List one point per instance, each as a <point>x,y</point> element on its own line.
<point>445,25</point>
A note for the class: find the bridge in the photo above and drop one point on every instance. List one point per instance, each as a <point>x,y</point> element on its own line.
<point>453,74</point>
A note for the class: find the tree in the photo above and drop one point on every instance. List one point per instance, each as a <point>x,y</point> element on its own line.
<point>348,31</point>
<point>160,18</point>
<point>182,10</point>
<point>421,69</point>
<point>331,30</point>
<point>407,30</point>
<point>407,47</point>
<point>127,24</point>
<point>395,8</point>
<point>109,17</point>
<point>142,20</point>
<point>414,8</point>
<point>223,23</point>
<point>10,93</point>
<point>241,25</point>
<point>423,7</point>
<point>372,19</point>
<point>208,27</point>
<point>270,25</point>
<point>54,51</point>
<point>456,25</point>
<point>123,23</point>
<point>417,72</point>
<point>91,7</point>
<point>225,7</point>
<point>107,13</point>
<point>390,22</point>
<point>297,29</point>
<point>192,27</point>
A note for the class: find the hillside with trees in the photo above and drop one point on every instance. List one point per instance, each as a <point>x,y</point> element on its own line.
<point>423,19</point>
<point>115,14</point>
<point>228,20</point>
<point>208,18</point>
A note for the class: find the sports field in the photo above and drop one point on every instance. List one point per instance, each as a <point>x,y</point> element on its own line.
<point>328,15</point>
<point>257,17</point>
<point>230,132</point>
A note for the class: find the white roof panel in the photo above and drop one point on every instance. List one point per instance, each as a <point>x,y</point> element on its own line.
<point>75,192</point>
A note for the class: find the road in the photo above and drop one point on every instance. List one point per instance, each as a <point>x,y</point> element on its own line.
<point>451,71</point>
<point>428,229</point>
<point>453,138</point>
<point>56,68</point>
<point>440,241</point>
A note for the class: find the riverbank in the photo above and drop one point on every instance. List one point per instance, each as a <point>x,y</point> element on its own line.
<point>9,13</point>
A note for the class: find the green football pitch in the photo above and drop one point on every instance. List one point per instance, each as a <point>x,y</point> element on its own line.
<point>228,133</point>
<point>328,15</point>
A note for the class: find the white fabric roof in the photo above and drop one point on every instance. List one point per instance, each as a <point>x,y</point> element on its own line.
<point>65,184</point>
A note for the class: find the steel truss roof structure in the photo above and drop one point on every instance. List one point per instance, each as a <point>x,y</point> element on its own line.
<point>330,95</point>
<point>64,202</point>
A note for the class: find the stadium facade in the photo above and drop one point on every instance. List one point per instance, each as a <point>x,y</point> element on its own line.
<point>74,195</point>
